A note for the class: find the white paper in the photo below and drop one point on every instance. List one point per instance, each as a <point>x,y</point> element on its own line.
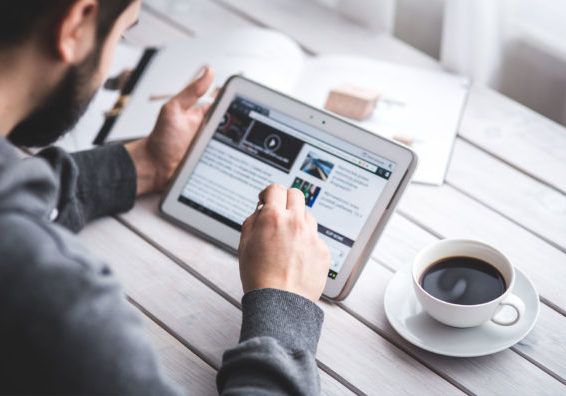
<point>421,104</point>
<point>265,56</point>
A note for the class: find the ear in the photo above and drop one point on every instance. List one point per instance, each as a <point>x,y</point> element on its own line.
<point>76,32</point>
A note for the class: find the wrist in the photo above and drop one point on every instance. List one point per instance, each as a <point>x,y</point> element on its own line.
<point>281,285</point>
<point>291,319</point>
<point>147,177</point>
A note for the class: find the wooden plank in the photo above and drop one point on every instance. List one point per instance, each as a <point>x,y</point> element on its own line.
<point>323,31</point>
<point>181,365</point>
<point>197,17</point>
<point>343,337</point>
<point>508,372</point>
<point>331,387</point>
<point>517,135</point>
<point>189,372</point>
<point>172,295</point>
<point>522,199</point>
<point>450,213</point>
<point>194,312</point>
<point>401,241</point>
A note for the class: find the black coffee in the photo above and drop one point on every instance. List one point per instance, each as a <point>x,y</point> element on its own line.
<point>463,280</point>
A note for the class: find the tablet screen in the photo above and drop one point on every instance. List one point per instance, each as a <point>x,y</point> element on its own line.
<point>255,146</point>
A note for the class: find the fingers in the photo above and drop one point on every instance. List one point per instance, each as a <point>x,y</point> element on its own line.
<point>249,223</point>
<point>204,109</point>
<point>295,200</point>
<point>199,73</point>
<point>197,113</point>
<point>311,220</point>
<point>196,88</point>
<point>274,195</point>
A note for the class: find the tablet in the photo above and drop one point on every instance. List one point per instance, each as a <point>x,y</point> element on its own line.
<point>253,137</point>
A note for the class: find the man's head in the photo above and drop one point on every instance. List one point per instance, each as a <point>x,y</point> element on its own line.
<point>74,42</point>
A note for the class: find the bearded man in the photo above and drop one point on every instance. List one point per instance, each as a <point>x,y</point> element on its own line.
<point>66,326</point>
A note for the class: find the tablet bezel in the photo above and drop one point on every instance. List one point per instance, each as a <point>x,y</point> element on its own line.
<point>228,238</point>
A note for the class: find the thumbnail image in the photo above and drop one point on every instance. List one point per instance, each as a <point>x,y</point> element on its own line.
<point>310,190</point>
<point>317,167</point>
<point>272,146</point>
<point>231,128</point>
<point>234,124</point>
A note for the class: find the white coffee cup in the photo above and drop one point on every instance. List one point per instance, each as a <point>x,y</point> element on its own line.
<point>458,315</point>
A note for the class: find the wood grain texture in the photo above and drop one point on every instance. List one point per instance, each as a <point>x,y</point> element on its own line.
<point>192,374</point>
<point>508,372</point>
<point>517,135</point>
<point>331,387</point>
<point>519,197</point>
<point>376,361</point>
<point>190,309</point>
<point>195,17</point>
<point>322,31</point>
<point>181,365</point>
<point>402,239</point>
<point>449,213</point>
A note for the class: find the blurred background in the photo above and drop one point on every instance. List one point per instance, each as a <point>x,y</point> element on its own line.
<point>517,47</point>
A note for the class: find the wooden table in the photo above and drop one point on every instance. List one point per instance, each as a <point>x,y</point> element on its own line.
<point>506,185</point>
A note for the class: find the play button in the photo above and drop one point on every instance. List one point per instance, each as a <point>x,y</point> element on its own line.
<point>272,142</point>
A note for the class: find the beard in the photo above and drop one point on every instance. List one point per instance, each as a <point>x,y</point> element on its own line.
<point>62,108</point>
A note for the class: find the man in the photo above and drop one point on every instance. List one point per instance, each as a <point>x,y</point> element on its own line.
<point>65,325</point>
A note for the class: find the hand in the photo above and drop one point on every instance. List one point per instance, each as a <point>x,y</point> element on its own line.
<point>280,247</point>
<point>157,156</point>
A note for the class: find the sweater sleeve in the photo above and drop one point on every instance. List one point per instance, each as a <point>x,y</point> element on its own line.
<point>93,183</point>
<point>278,341</point>
<point>66,326</point>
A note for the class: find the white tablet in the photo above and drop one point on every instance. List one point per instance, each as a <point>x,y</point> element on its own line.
<point>253,137</point>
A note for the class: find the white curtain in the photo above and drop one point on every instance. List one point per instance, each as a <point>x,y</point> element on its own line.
<point>472,39</point>
<point>517,47</point>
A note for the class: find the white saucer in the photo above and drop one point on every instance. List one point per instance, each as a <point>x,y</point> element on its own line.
<point>407,317</point>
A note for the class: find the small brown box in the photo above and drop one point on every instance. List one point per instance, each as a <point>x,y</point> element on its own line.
<point>352,101</point>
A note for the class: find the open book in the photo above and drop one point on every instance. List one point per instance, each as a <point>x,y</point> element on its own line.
<point>423,105</point>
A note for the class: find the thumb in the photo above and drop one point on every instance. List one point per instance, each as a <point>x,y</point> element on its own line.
<point>196,88</point>
<point>247,227</point>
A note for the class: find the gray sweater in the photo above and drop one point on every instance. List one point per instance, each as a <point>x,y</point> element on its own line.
<point>66,326</point>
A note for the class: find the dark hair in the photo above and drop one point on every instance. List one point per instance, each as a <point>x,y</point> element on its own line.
<point>19,19</point>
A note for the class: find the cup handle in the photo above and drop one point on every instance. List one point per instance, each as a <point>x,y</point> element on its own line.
<point>514,302</point>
